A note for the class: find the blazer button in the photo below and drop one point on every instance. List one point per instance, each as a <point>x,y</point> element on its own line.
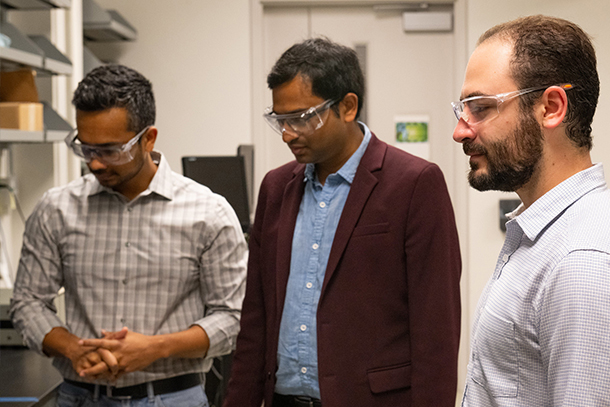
<point>268,375</point>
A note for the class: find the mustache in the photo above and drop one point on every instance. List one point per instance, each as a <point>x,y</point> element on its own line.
<point>101,172</point>
<point>470,148</point>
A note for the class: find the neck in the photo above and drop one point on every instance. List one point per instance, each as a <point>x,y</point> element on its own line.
<point>138,184</point>
<point>353,139</point>
<point>552,171</point>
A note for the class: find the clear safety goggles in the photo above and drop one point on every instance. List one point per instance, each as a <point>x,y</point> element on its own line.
<point>113,155</point>
<point>476,109</point>
<point>301,123</point>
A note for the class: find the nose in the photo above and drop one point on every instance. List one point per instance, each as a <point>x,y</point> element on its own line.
<point>463,132</point>
<point>96,164</point>
<point>288,135</point>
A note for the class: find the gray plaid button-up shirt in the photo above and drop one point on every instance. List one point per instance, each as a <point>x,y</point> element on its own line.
<point>173,257</point>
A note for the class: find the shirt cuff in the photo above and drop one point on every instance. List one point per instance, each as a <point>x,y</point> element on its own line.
<point>222,331</point>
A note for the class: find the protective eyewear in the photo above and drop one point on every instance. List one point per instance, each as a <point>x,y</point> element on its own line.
<point>301,123</point>
<point>477,109</point>
<point>113,155</point>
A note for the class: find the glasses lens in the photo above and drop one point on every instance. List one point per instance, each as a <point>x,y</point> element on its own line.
<point>476,109</point>
<point>108,155</point>
<point>480,109</point>
<point>274,123</point>
<point>300,123</point>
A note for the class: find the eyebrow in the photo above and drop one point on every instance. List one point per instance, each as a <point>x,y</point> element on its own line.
<point>102,144</point>
<point>473,94</point>
<point>292,111</point>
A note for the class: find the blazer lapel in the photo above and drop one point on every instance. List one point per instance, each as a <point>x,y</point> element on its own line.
<point>362,187</point>
<point>293,194</point>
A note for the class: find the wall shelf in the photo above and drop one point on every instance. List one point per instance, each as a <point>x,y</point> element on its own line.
<point>54,61</point>
<point>23,51</point>
<point>90,61</point>
<point>56,128</point>
<point>35,51</point>
<point>105,25</point>
<point>36,4</point>
<point>21,136</point>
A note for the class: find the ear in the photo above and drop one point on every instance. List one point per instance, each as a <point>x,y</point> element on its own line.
<point>349,107</point>
<point>149,139</point>
<point>555,107</point>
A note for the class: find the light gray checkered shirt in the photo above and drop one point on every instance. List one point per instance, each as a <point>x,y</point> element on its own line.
<point>541,334</point>
<point>173,257</point>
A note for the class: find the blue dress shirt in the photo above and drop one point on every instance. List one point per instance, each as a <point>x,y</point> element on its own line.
<point>314,232</point>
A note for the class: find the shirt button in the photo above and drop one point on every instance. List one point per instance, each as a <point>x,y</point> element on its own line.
<point>303,328</point>
<point>322,204</point>
<point>125,281</point>
<point>303,370</point>
<point>505,257</point>
<point>315,246</point>
<point>308,285</point>
<point>129,209</point>
<point>123,320</point>
<point>127,244</point>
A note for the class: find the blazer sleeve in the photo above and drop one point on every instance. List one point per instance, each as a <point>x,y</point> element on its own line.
<point>433,267</point>
<point>246,386</point>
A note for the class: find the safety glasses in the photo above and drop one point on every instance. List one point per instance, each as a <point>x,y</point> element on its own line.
<point>477,109</point>
<point>112,155</point>
<point>301,123</point>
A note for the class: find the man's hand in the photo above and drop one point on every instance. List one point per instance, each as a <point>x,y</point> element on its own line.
<point>90,365</point>
<point>86,361</point>
<point>124,351</point>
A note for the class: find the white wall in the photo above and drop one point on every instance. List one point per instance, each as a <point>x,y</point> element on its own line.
<point>196,53</point>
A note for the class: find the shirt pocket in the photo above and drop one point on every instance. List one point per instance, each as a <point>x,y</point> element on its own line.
<point>495,359</point>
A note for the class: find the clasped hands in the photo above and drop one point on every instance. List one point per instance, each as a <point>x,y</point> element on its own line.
<point>113,355</point>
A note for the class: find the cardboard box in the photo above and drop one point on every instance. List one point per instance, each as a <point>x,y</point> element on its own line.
<point>21,116</point>
<point>18,86</point>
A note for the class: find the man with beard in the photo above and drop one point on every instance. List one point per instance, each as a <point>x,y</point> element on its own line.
<point>541,333</point>
<point>149,259</point>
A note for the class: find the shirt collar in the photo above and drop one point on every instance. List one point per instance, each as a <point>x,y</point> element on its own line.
<point>348,170</point>
<point>546,208</point>
<point>161,183</point>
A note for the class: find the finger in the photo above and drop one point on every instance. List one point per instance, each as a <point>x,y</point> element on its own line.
<point>122,333</point>
<point>96,343</point>
<point>94,371</point>
<point>110,359</point>
<point>115,335</point>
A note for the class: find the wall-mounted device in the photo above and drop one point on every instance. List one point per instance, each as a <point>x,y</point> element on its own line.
<point>507,206</point>
<point>435,21</point>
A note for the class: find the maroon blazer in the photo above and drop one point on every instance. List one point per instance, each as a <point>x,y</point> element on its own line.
<point>388,320</point>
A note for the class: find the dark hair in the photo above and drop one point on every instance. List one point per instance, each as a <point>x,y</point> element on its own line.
<point>333,69</point>
<point>111,86</point>
<point>551,51</point>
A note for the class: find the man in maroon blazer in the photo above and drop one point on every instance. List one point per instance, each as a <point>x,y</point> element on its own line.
<point>352,296</point>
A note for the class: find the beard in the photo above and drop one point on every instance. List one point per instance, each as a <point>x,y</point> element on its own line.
<point>512,162</point>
